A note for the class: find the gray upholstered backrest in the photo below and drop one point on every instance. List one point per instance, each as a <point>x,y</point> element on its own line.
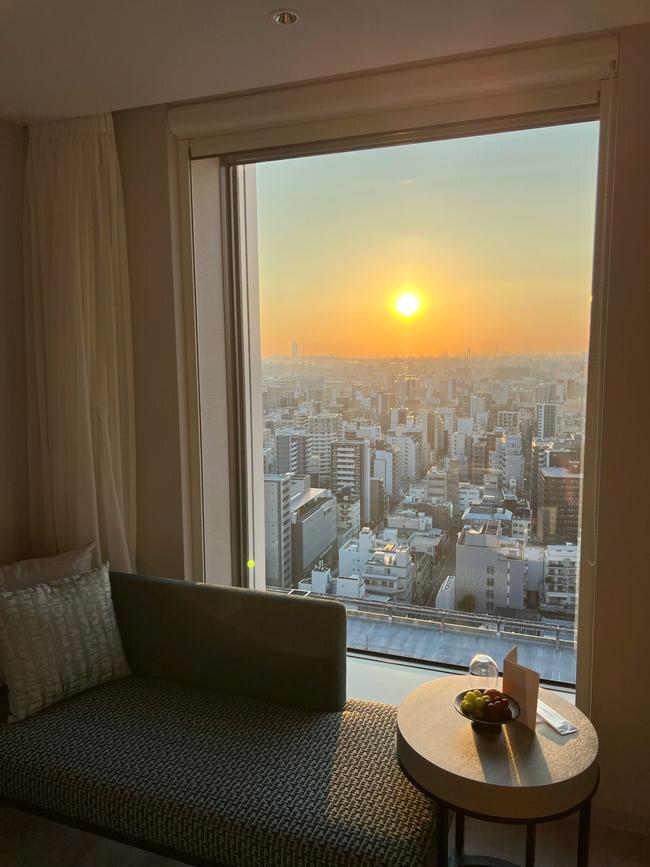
<point>278,648</point>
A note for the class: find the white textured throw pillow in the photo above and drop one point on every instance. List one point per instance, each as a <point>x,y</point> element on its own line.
<point>58,639</point>
<point>28,573</point>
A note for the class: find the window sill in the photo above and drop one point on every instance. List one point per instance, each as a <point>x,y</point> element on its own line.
<point>390,681</point>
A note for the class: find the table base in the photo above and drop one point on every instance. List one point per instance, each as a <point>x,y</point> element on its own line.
<point>461,859</point>
<point>480,861</point>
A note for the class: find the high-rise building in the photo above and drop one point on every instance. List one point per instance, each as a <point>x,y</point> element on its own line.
<point>397,416</point>
<point>325,428</point>
<point>539,459</point>
<point>439,436</point>
<point>277,528</point>
<point>378,503</point>
<point>454,471</point>
<point>478,403</point>
<point>408,445</point>
<point>458,445</point>
<point>436,482</point>
<point>508,421</point>
<point>385,401</point>
<point>491,568</point>
<point>499,393</point>
<point>546,420</point>
<point>463,406</point>
<point>560,587</point>
<point>558,505</point>
<point>509,461</point>
<point>563,452</point>
<point>348,516</point>
<point>406,389</point>
<point>350,468</point>
<point>467,494</point>
<point>424,420</point>
<point>313,528</point>
<point>293,451</point>
<point>386,466</point>
<point>478,458</point>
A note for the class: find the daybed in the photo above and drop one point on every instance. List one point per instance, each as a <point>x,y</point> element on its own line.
<point>231,744</point>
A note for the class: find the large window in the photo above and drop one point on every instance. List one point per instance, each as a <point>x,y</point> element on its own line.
<point>424,325</point>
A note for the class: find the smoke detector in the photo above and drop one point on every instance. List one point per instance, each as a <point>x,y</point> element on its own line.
<point>284,16</point>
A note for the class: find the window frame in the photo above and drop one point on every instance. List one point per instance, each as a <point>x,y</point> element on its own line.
<point>241,309</point>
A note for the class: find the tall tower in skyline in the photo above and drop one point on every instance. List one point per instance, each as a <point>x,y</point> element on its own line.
<point>546,420</point>
<point>277,530</point>
<point>350,468</point>
<point>293,451</point>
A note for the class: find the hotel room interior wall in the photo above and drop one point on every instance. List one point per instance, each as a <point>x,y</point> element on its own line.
<point>13,455</point>
<point>143,147</point>
<point>620,694</point>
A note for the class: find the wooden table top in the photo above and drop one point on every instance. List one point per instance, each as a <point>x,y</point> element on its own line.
<point>515,774</point>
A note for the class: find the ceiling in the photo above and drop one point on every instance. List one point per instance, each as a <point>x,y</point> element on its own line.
<point>61,58</point>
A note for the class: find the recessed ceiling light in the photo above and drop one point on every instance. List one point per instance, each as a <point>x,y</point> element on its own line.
<point>284,16</point>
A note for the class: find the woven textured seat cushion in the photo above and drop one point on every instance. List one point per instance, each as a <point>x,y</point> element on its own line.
<point>232,780</point>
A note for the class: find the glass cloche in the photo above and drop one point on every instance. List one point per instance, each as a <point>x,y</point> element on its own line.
<point>483,672</point>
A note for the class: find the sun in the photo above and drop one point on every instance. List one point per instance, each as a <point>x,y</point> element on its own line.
<point>407,304</point>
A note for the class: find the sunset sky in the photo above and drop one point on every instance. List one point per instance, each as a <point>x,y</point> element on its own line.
<point>492,234</point>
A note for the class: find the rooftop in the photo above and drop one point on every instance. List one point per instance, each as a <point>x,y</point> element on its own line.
<point>431,537</point>
<point>535,552</point>
<point>567,551</point>
<point>418,640</point>
<point>559,473</point>
<point>485,511</point>
<point>308,497</point>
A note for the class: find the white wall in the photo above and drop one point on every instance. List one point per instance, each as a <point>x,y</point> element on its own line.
<point>13,456</point>
<point>622,591</point>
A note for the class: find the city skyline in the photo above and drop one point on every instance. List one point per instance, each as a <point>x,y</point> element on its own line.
<point>443,356</point>
<point>341,236</point>
<point>440,492</point>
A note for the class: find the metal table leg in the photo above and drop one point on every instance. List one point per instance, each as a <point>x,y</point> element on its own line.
<point>531,829</point>
<point>584,827</point>
<point>460,832</point>
<point>442,834</point>
<point>460,859</point>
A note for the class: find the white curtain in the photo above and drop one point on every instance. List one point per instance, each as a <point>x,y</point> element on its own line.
<point>81,441</point>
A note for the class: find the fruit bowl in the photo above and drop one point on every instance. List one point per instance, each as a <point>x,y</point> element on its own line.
<point>482,724</point>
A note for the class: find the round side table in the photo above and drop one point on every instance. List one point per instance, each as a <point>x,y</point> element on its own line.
<point>516,776</point>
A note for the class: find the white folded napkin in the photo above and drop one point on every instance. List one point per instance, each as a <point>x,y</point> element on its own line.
<point>552,718</point>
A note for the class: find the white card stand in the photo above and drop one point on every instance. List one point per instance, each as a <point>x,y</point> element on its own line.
<point>522,684</point>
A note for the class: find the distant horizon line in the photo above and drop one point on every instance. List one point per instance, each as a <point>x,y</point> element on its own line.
<point>446,357</point>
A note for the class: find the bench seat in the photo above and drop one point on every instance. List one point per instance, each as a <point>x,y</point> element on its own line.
<point>221,779</point>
